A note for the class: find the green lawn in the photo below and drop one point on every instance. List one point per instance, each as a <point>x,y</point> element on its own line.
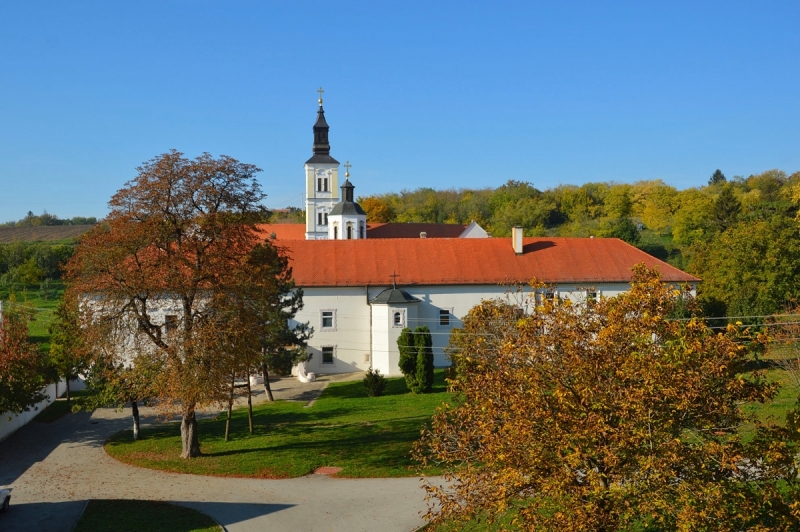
<point>365,436</point>
<point>142,516</point>
<point>42,309</point>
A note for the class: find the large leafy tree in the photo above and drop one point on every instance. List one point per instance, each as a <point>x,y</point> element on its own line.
<point>610,416</point>
<point>23,368</point>
<point>177,236</point>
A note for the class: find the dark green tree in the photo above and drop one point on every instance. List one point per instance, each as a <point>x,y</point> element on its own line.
<point>424,370</point>
<point>726,209</point>
<point>717,178</point>
<point>408,357</point>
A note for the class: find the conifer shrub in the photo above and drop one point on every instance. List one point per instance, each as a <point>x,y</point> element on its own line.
<point>408,357</point>
<point>424,370</point>
<point>374,383</point>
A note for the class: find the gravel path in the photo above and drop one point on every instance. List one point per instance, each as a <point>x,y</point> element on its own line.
<point>55,468</point>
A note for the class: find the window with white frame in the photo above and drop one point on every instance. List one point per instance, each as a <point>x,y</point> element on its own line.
<point>398,318</point>
<point>327,320</point>
<point>328,354</point>
<point>592,295</point>
<point>444,317</point>
<point>322,218</point>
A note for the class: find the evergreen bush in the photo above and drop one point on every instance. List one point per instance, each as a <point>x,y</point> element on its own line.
<point>408,357</point>
<point>424,370</point>
<point>374,383</point>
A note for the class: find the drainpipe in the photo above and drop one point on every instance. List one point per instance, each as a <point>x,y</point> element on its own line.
<point>366,288</point>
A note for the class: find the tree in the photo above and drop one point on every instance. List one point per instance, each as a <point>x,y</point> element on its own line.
<point>608,417</point>
<point>726,209</point>
<point>424,367</point>
<point>176,237</point>
<point>68,356</point>
<point>378,209</point>
<point>22,366</point>
<point>717,178</point>
<point>408,357</point>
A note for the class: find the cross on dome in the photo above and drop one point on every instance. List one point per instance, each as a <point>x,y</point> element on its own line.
<point>347,167</point>
<point>320,91</point>
<point>394,277</point>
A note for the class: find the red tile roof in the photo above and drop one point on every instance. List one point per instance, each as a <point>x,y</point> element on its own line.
<point>283,231</point>
<point>374,230</point>
<point>412,230</point>
<point>468,261</point>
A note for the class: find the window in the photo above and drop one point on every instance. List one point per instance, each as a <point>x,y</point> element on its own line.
<point>361,230</point>
<point>319,184</point>
<point>326,219</point>
<point>591,296</point>
<point>322,218</point>
<point>399,318</point>
<point>349,231</point>
<point>327,355</point>
<point>444,317</point>
<point>170,324</point>
<point>327,320</point>
<point>335,232</point>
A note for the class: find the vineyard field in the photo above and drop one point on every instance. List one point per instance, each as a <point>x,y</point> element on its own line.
<point>41,233</point>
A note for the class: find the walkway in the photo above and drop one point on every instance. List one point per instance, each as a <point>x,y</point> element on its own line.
<point>55,468</point>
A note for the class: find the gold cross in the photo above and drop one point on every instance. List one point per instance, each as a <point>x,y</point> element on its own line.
<point>347,167</point>
<point>394,277</point>
<point>320,91</point>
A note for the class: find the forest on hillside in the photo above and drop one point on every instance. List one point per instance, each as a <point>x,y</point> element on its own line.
<point>739,235</point>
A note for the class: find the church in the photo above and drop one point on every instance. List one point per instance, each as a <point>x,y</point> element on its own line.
<point>364,282</point>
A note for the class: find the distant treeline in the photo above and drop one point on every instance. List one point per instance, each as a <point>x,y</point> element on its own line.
<point>30,262</point>
<point>739,235</point>
<point>33,220</point>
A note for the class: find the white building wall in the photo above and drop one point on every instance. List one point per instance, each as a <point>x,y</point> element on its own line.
<point>355,349</point>
<point>10,423</point>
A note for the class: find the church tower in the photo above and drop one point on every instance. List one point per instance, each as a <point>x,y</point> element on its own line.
<point>322,180</point>
<point>347,220</point>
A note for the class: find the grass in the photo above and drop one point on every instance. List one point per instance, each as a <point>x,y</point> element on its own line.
<point>42,310</point>
<point>365,436</point>
<point>142,516</point>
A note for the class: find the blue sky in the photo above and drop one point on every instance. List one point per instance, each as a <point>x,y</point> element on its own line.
<point>439,94</point>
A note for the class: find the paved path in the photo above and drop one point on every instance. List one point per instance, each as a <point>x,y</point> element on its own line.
<point>55,468</point>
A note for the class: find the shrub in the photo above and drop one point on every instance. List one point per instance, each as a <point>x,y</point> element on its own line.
<point>424,370</point>
<point>408,357</point>
<point>374,383</point>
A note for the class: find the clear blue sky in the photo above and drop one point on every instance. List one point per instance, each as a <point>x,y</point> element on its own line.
<point>439,94</point>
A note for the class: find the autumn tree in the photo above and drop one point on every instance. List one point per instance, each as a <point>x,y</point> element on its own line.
<point>23,368</point>
<point>176,236</point>
<point>606,417</point>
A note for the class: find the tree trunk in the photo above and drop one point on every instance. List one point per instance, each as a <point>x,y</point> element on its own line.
<point>230,408</point>
<point>249,404</point>
<point>68,398</point>
<point>266,382</point>
<point>135,413</point>
<point>190,442</point>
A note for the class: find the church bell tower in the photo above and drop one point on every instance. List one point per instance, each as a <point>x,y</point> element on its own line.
<point>322,180</point>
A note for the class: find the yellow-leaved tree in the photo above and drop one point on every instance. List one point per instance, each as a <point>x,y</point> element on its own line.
<point>611,415</point>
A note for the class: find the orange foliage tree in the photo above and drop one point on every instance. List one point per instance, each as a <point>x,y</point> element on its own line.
<point>178,236</point>
<point>23,368</point>
<point>607,416</point>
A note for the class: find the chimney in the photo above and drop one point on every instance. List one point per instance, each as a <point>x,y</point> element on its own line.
<point>516,239</point>
<point>423,234</point>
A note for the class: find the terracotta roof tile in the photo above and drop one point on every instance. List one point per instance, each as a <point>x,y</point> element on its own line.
<point>453,261</point>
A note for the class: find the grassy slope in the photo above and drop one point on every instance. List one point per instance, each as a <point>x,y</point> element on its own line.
<point>142,516</point>
<point>366,436</point>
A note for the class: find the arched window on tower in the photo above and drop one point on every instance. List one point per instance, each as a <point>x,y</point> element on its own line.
<point>360,229</point>
<point>336,231</point>
<point>349,231</point>
<point>398,319</point>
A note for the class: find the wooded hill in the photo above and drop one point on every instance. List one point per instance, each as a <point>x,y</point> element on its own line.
<point>739,235</point>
